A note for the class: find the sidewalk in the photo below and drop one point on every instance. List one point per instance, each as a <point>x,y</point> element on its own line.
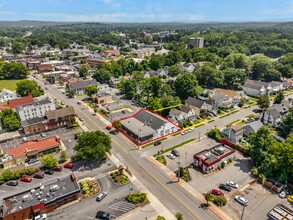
<point>192,191</point>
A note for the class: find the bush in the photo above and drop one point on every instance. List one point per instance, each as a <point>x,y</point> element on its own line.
<point>223,164</point>
<point>214,133</point>
<point>160,218</point>
<point>220,200</point>
<point>7,175</point>
<point>136,197</point>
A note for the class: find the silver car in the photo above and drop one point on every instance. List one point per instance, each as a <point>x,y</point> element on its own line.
<point>241,200</point>
<point>171,156</point>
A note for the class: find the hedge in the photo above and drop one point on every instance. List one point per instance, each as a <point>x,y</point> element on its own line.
<point>8,175</point>
<point>136,197</point>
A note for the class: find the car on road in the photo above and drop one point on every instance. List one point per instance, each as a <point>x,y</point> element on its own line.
<point>171,156</point>
<point>157,143</point>
<point>232,184</point>
<point>175,153</point>
<point>49,172</point>
<point>62,103</point>
<point>241,200</point>
<point>184,133</point>
<point>69,165</point>
<point>57,168</point>
<point>41,217</point>
<point>80,118</point>
<point>24,139</point>
<point>78,102</point>
<point>283,194</point>
<point>12,183</point>
<point>39,175</point>
<point>103,215</point>
<point>43,135</point>
<point>101,196</point>
<point>225,187</point>
<point>191,130</point>
<point>46,88</point>
<point>26,179</point>
<point>217,192</point>
<point>290,199</point>
<point>33,160</point>
<point>115,132</point>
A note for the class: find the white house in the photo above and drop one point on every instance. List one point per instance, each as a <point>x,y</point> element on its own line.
<point>272,117</point>
<point>177,115</point>
<point>254,90</point>
<point>6,95</point>
<point>35,109</point>
<point>234,133</point>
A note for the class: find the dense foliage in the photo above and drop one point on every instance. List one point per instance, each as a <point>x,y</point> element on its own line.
<point>9,119</point>
<point>12,70</point>
<point>29,86</point>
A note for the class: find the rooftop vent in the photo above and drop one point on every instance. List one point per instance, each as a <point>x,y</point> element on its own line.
<point>54,188</point>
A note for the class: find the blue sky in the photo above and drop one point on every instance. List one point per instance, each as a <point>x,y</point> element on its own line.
<point>147,10</point>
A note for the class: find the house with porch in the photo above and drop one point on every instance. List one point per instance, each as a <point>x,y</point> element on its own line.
<point>234,133</point>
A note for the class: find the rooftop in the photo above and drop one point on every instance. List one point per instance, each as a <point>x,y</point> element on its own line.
<point>43,195</point>
<point>32,121</point>
<point>82,84</point>
<point>62,112</point>
<point>39,145</point>
<point>280,212</point>
<point>13,103</point>
<point>194,102</point>
<point>35,104</point>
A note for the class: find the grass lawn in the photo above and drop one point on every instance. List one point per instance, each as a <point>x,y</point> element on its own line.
<point>9,84</point>
<point>253,99</point>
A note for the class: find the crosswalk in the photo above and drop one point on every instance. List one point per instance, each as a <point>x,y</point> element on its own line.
<point>123,206</point>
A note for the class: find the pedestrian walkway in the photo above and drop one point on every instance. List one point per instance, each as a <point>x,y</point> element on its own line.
<point>123,206</point>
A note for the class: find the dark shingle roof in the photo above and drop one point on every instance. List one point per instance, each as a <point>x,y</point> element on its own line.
<point>252,86</point>
<point>151,119</point>
<point>185,109</point>
<point>82,84</point>
<point>194,102</point>
<point>33,121</point>
<point>60,112</point>
<point>274,113</point>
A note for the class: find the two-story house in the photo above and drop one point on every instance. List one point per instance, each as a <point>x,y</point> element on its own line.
<point>6,95</point>
<point>272,117</point>
<point>177,116</point>
<point>198,105</point>
<point>35,109</point>
<point>78,87</point>
<point>254,89</point>
<point>234,133</point>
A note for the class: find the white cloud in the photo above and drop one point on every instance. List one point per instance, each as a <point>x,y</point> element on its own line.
<point>113,3</point>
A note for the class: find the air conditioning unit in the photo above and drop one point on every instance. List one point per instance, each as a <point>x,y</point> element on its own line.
<point>54,188</point>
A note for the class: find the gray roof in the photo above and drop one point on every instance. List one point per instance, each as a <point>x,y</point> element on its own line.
<point>185,109</point>
<point>218,96</point>
<point>274,113</point>
<point>194,102</point>
<point>252,127</point>
<point>35,104</point>
<point>175,112</point>
<point>151,119</point>
<point>33,121</point>
<point>82,84</point>
<point>209,101</point>
<point>275,83</point>
<point>137,127</point>
<point>252,86</point>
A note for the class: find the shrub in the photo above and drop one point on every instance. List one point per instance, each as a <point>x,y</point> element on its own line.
<point>160,218</point>
<point>7,175</point>
<point>220,200</point>
<point>222,164</point>
<point>116,172</point>
<point>1,180</point>
<point>214,133</point>
<point>230,159</point>
<point>136,197</point>
<point>114,176</point>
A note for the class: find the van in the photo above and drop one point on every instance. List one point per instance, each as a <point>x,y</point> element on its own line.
<point>101,196</point>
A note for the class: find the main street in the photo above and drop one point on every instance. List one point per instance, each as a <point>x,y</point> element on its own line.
<point>173,196</point>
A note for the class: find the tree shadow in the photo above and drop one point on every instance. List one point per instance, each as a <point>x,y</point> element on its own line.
<point>87,165</point>
<point>203,206</point>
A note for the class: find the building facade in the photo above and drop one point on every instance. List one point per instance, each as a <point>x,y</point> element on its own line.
<point>196,42</point>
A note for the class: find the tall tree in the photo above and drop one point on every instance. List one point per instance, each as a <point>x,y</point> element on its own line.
<point>49,161</point>
<point>288,122</point>
<point>263,102</point>
<point>279,97</point>
<point>83,70</point>
<point>90,90</point>
<point>25,87</point>
<point>102,75</point>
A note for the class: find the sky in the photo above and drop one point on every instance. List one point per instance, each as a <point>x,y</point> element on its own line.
<point>147,10</point>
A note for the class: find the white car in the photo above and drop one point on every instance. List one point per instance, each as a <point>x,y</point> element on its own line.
<point>232,184</point>
<point>43,135</point>
<point>184,133</point>
<point>283,194</point>
<point>241,200</point>
<point>41,217</point>
<point>171,156</point>
<point>191,130</point>
<point>24,139</point>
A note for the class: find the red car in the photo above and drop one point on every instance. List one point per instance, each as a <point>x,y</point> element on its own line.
<point>26,179</point>
<point>69,165</point>
<point>217,192</point>
<point>58,169</point>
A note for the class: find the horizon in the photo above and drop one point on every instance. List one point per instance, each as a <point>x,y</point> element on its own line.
<point>148,11</point>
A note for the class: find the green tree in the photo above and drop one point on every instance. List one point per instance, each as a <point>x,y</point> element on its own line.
<point>174,70</point>
<point>210,77</point>
<point>14,70</point>
<point>92,145</point>
<point>17,47</point>
<point>186,85</point>
<point>102,75</point>
<point>288,122</point>
<point>7,175</point>
<point>179,216</point>
<point>90,90</point>
<point>155,62</point>
<point>160,218</point>
<point>263,102</point>
<point>83,70</point>
<point>128,87</point>
<point>71,93</point>
<point>261,65</point>
<point>214,133</point>
<point>234,77</point>
<point>29,86</point>
<point>49,161</point>
<point>63,156</point>
<point>208,197</point>
<point>154,103</point>
<point>279,97</point>
<point>9,119</point>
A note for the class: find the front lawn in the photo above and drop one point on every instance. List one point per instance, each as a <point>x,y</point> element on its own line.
<point>9,84</point>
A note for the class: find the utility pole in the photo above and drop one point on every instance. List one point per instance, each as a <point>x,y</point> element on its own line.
<point>242,214</point>
<point>199,136</point>
<point>185,158</point>
<point>179,162</point>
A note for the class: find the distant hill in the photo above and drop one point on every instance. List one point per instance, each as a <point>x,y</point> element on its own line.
<point>31,24</point>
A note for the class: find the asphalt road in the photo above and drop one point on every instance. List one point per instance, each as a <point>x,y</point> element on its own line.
<point>173,196</point>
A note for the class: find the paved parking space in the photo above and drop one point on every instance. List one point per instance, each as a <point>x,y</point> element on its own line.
<point>260,202</point>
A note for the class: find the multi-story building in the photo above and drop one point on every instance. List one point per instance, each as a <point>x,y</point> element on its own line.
<point>35,109</point>
<point>78,87</point>
<point>196,42</point>
<point>6,95</point>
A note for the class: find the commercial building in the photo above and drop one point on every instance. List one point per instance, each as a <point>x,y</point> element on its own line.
<point>145,126</point>
<point>42,199</point>
<point>280,212</point>
<point>78,87</point>
<point>196,42</point>
<point>208,160</point>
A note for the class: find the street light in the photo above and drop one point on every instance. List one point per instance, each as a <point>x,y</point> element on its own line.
<point>179,163</point>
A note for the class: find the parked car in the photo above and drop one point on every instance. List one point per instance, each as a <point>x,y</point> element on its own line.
<point>115,132</point>
<point>232,184</point>
<point>191,130</point>
<point>217,192</point>
<point>101,196</point>
<point>241,200</point>
<point>39,175</point>
<point>57,168</point>
<point>158,142</point>
<point>171,156</point>
<point>103,215</point>
<point>283,194</point>
<point>24,139</point>
<point>62,103</point>
<point>41,217</point>
<point>33,160</point>
<point>80,118</point>
<point>26,179</point>
<point>69,165</point>
<point>290,199</point>
<point>175,153</point>
<point>49,172</point>
<point>78,102</point>
<point>12,183</point>
<point>184,133</point>
<point>225,187</point>
<point>43,135</point>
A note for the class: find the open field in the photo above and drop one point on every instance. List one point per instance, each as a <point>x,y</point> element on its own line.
<point>9,84</point>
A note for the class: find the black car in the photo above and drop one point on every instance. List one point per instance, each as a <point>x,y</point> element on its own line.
<point>49,172</point>
<point>103,215</point>
<point>12,183</point>
<point>175,153</point>
<point>225,187</point>
<point>115,132</point>
<point>157,143</point>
